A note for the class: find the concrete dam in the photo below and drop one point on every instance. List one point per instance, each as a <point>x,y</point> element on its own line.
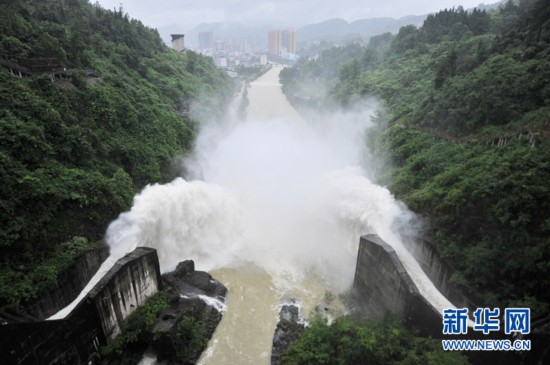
<point>273,209</point>
<point>94,318</point>
<point>385,285</point>
<point>75,335</point>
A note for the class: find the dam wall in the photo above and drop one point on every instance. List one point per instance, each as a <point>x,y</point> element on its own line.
<point>440,273</point>
<point>68,284</point>
<point>73,340</point>
<point>384,286</point>
<point>132,280</point>
<point>95,321</point>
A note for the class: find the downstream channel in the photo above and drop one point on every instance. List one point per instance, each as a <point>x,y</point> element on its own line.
<point>246,332</point>
<point>274,210</point>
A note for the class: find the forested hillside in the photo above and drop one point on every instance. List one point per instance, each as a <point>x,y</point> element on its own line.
<point>465,127</point>
<point>74,151</point>
<point>347,342</point>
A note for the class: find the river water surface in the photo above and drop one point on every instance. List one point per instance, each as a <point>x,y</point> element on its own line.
<point>246,332</point>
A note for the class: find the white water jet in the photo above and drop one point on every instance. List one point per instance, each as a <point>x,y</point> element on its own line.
<point>271,196</point>
<point>181,220</point>
<point>215,303</point>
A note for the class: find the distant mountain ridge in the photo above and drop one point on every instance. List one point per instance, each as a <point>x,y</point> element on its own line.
<point>363,27</point>
<point>332,28</point>
<point>257,35</point>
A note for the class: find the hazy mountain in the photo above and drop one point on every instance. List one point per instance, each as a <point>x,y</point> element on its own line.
<point>257,35</point>
<point>490,6</point>
<point>363,27</point>
<point>333,28</point>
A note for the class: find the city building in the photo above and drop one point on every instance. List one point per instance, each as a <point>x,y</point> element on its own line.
<point>275,42</point>
<point>282,42</point>
<point>232,53</point>
<point>219,45</point>
<point>206,40</point>
<point>289,40</point>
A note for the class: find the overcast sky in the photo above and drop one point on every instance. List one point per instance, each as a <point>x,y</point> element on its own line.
<point>190,13</point>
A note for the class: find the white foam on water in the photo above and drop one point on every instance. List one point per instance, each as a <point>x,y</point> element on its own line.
<point>215,303</point>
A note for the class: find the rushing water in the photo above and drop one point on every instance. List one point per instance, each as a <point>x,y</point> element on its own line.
<point>275,213</point>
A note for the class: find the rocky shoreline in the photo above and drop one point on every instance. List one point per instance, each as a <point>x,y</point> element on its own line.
<point>289,329</point>
<point>182,330</point>
<point>192,307</point>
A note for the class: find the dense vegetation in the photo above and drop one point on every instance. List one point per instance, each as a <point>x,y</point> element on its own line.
<point>74,152</point>
<point>346,342</point>
<point>453,92</point>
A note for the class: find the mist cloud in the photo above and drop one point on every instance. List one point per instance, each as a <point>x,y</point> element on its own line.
<point>189,14</point>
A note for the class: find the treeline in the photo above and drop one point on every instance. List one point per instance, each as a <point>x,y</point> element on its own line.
<point>479,74</point>
<point>347,342</point>
<point>74,152</point>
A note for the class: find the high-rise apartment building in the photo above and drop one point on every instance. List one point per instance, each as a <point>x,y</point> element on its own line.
<point>282,42</point>
<point>275,42</point>
<point>219,45</point>
<point>289,40</point>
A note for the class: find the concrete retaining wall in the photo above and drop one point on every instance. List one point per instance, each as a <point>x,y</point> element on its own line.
<point>94,321</point>
<point>384,287</point>
<point>440,273</point>
<point>69,284</point>
<point>126,286</point>
<point>74,340</point>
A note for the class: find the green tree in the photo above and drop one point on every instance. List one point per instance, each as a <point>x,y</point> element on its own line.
<point>347,342</point>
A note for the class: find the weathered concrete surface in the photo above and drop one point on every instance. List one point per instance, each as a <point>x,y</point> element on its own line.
<point>76,339</point>
<point>440,273</point>
<point>132,280</point>
<point>383,286</point>
<point>69,284</point>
